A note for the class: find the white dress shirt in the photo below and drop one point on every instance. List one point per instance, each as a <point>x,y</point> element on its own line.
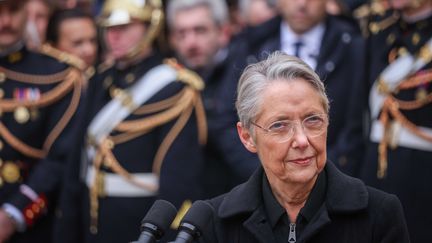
<point>311,42</point>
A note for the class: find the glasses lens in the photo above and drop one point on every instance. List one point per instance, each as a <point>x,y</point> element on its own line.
<point>314,125</point>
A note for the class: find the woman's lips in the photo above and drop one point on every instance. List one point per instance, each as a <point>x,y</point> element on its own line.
<point>301,161</point>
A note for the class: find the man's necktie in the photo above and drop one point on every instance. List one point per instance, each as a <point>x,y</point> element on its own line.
<point>297,47</point>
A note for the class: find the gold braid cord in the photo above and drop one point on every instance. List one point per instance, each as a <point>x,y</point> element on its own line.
<point>393,106</point>
<point>62,56</point>
<point>178,107</point>
<point>72,80</point>
<point>35,79</point>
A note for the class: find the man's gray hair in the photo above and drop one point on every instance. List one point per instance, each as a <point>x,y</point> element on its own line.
<point>256,78</point>
<point>243,6</point>
<point>218,9</point>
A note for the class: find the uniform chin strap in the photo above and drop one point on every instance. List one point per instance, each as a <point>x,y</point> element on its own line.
<point>153,31</point>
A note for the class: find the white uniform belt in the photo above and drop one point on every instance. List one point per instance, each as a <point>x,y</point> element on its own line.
<point>405,137</point>
<point>117,186</point>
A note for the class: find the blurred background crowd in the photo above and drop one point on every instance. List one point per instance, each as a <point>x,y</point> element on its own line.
<point>374,58</point>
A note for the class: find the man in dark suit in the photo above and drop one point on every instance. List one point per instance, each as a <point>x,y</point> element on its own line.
<point>335,49</point>
<point>199,36</point>
<point>39,99</point>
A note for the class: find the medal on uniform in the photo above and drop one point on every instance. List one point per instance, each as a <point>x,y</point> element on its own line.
<point>21,114</point>
<point>10,172</point>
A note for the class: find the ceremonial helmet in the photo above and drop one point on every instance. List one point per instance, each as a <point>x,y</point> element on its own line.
<point>121,12</point>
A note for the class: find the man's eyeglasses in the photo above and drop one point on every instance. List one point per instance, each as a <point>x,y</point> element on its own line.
<point>282,131</point>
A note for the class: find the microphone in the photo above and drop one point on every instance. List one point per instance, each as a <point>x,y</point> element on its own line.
<point>156,222</point>
<point>193,223</point>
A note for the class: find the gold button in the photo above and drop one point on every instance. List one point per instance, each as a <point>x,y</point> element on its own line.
<point>2,77</point>
<point>10,172</point>
<point>130,77</point>
<point>2,93</point>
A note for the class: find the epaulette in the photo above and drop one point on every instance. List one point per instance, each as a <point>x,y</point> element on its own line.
<point>383,23</point>
<point>375,16</point>
<point>371,9</point>
<point>63,57</point>
<point>185,75</point>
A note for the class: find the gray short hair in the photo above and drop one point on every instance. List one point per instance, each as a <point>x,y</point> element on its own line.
<point>256,77</point>
<point>218,9</point>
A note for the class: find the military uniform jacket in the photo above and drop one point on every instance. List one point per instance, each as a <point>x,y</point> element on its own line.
<point>341,66</point>
<point>38,108</point>
<point>118,217</point>
<point>351,213</point>
<point>406,169</point>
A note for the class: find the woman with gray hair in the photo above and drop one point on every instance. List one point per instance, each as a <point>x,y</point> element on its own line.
<point>296,195</point>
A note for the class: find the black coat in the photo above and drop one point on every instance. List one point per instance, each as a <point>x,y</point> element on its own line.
<point>341,66</point>
<point>352,212</point>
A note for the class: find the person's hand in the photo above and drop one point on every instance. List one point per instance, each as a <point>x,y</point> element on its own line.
<point>7,226</point>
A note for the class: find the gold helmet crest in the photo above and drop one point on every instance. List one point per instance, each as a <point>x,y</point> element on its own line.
<point>120,12</point>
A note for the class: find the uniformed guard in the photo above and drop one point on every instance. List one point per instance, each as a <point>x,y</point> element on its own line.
<point>143,135</point>
<point>39,99</point>
<point>399,154</point>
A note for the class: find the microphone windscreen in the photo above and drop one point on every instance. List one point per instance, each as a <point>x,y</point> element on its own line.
<point>199,215</point>
<point>161,214</point>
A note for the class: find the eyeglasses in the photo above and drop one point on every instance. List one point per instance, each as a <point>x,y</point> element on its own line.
<point>282,131</point>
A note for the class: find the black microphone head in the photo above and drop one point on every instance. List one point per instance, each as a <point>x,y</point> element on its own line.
<point>159,218</point>
<point>197,218</point>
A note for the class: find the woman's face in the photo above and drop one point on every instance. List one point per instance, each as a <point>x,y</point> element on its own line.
<point>300,158</point>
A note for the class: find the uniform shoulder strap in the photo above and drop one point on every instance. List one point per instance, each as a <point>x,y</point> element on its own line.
<point>185,75</point>
<point>62,56</point>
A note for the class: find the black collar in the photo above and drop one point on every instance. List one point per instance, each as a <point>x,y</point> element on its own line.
<point>344,194</point>
<point>316,198</point>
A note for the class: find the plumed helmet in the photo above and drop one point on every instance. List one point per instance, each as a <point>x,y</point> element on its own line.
<point>120,12</point>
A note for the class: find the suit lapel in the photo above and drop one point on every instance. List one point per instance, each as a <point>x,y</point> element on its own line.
<point>332,48</point>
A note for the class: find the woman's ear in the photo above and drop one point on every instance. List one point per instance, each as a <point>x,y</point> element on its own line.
<point>246,138</point>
